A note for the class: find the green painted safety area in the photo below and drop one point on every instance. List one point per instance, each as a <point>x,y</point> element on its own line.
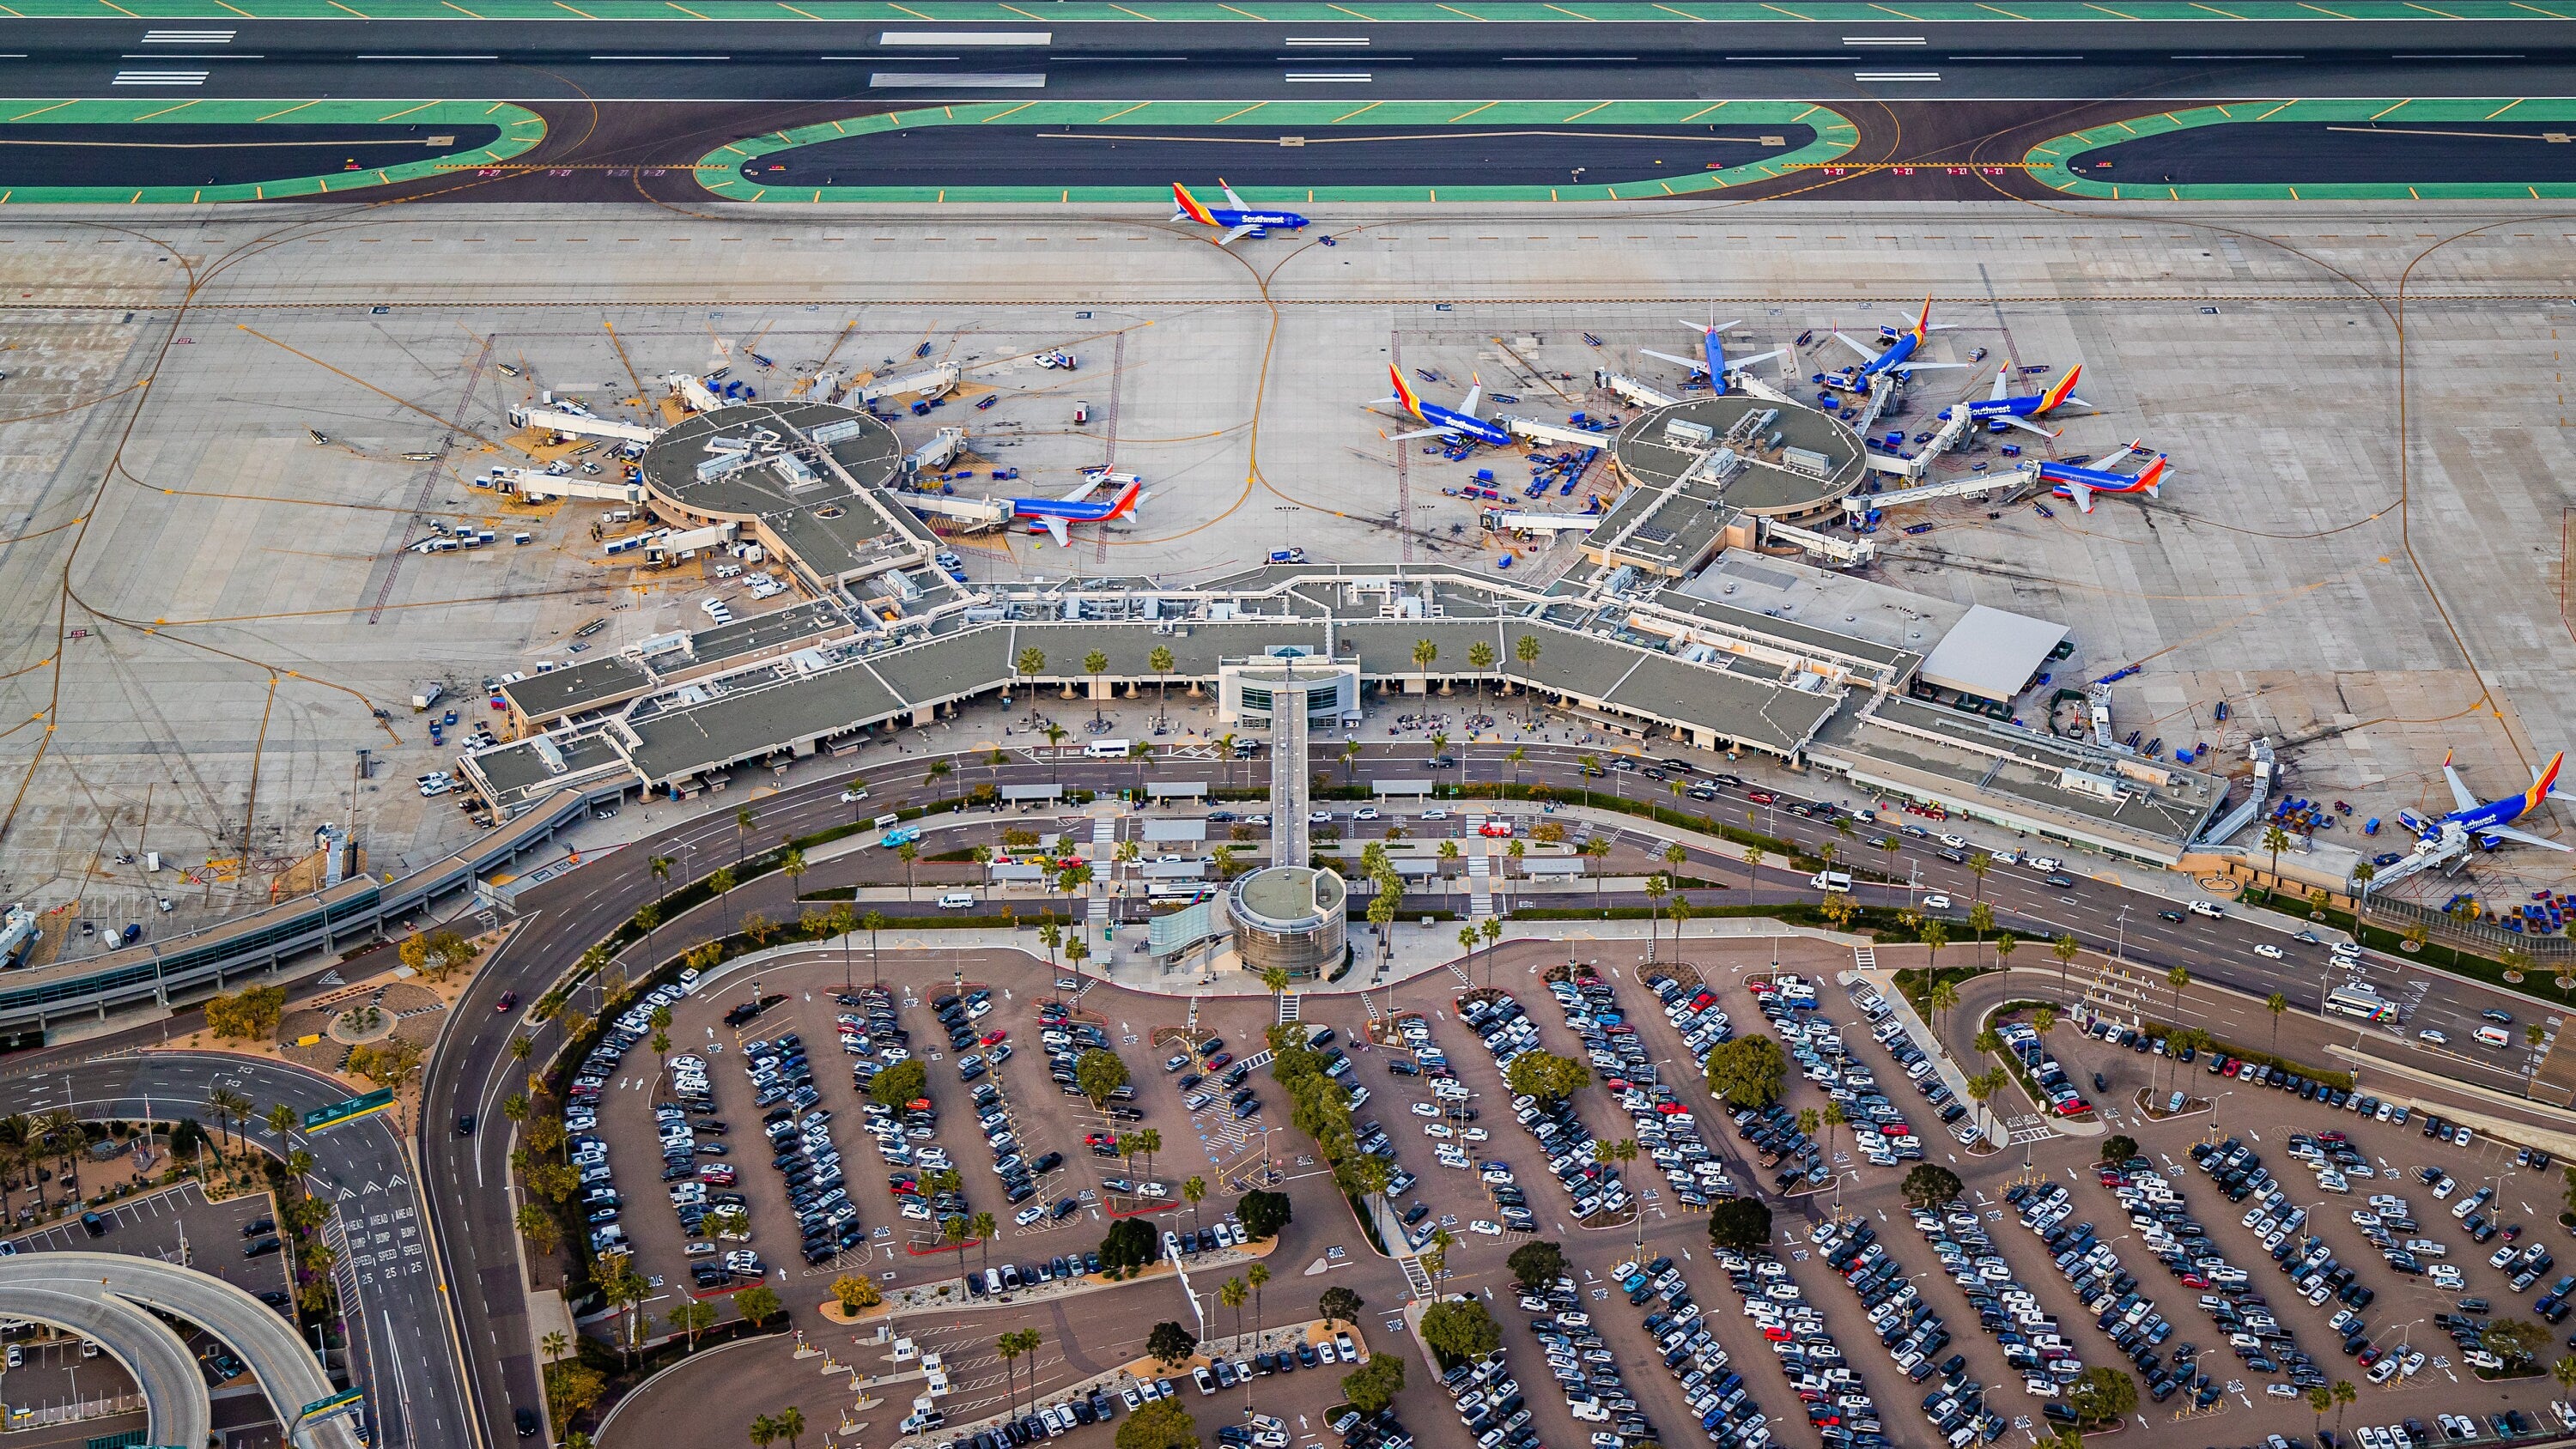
<point>2418,150</point>
<point>1076,12</point>
<point>1706,146</point>
<point>245,150</point>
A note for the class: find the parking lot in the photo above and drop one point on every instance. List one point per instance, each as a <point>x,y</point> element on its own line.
<point>178,1225</point>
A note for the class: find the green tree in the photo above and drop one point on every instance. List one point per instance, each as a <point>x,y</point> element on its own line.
<point>1374,1384</point>
<point>2118,1149</point>
<point>1339,1305</point>
<point>1929,1185</point>
<point>2102,1393</point>
<point>1163,1424</point>
<point>1263,1213</point>
<point>2276,1003</point>
<point>2276,840</point>
<point>2064,949</point>
<point>903,1082</point>
<point>1546,1076</point>
<point>1536,1264</point>
<point>692,1317</point>
<point>755,1304</point>
<point>1747,1071</point>
<point>855,1291</point>
<point>1130,1244</point>
<point>1095,664</point>
<point>1099,1073</point>
<point>2514,1339</point>
<point>1739,1224</point>
<point>1170,1344</point>
<point>791,1424</point>
<point>1460,1328</point>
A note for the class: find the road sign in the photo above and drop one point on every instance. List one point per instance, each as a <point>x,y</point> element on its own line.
<point>342,1111</point>
<point>341,1402</point>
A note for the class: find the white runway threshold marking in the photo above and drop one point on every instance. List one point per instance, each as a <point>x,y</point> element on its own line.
<point>966,37</point>
<point>1329,77</point>
<point>1896,75</point>
<point>886,80</point>
<point>160,78</point>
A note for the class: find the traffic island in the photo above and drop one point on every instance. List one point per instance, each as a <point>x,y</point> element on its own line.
<point>203,151</point>
<point>2305,150</point>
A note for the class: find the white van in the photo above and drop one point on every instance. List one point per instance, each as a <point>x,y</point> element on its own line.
<point>1830,880</point>
<point>2494,1036</point>
<point>1105,750</point>
<point>957,901</point>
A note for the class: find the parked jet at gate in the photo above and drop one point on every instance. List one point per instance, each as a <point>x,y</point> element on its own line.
<point>1713,363</point>
<point>1438,419</point>
<point>2081,484</point>
<point>2014,412</point>
<point>1241,221</point>
<point>1052,514</point>
<point>1897,358</point>
<point>2490,817</point>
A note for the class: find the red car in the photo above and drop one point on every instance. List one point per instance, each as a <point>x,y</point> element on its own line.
<point>1761,797</point>
<point>508,1000</point>
<point>2074,1107</point>
<point>1220,1059</point>
<point>992,1038</point>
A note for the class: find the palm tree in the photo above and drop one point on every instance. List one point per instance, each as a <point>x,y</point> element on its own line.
<point>1234,1294</point>
<point>1424,652</point>
<point>983,1227</point>
<point>1095,664</point>
<point>2064,949</point>
<point>791,1423</point>
<point>1597,849</point>
<point>742,821</point>
<point>1945,994</point>
<point>1680,911</point>
<point>1194,1191</point>
<point>1350,753</point>
<point>2177,978</point>
<point>1517,758</point>
<point>1162,663</point>
<point>661,868</point>
<point>1256,1275</point>
<point>764,1431</point>
<point>722,883</point>
<point>1525,649</point>
<point>1492,931</point>
<point>1055,734</point>
<point>2344,1394</point>
<point>908,852</point>
<point>1656,889</point>
<point>1276,980</point>
<point>1981,919</point>
<point>1009,1345</point>
<point>1467,941</point>
<point>2005,945</point>
<point>2276,840</point>
<point>792,866</point>
<point>872,922</point>
<point>1148,1142</point>
<point>1031,664</point>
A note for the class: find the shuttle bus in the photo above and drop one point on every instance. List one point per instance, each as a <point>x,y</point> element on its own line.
<point>1106,750</point>
<point>2364,1003</point>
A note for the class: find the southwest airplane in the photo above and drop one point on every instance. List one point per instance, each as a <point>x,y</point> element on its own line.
<point>1241,220</point>
<point>2081,484</point>
<point>1713,360</point>
<point>2013,412</point>
<point>1052,514</point>
<point>1900,357</point>
<point>1438,419</point>
<point>2489,817</point>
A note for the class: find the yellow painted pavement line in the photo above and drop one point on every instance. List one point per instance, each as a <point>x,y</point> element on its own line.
<point>380,120</point>
<point>1241,11</point>
<point>1013,111</point>
<point>1702,111</point>
<point>1114,115</point>
<point>683,9</point>
<point>1686,15</point>
<point>1563,11</point>
<point>2283,106</point>
<point>2509,105</point>
<point>119,9</point>
<point>1579,115</point>
<point>56,106</point>
<point>2401,105</point>
<point>1462,115</point>
<point>560,5</point>
<point>1802,115</point>
<point>1362,111</point>
<point>1248,110</point>
<point>183,105</point>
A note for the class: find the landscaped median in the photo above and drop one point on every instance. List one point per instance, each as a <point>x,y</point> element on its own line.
<point>720,170</point>
<point>519,129</point>
<point>2050,160</point>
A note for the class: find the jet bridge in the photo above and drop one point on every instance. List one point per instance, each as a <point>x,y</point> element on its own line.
<point>1537,431</point>
<point>1633,390</point>
<point>1924,493</point>
<point>580,425</point>
<point>937,382</point>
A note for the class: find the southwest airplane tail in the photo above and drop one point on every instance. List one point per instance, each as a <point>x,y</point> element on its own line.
<point>1405,396</point>
<point>2064,389</point>
<point>2540,788</point>
<point>1923,322</point>
<point>1188,208</point>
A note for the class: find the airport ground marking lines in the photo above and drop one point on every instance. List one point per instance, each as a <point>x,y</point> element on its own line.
<point>2048,161</point>
<point>520,130</point>
<point>1410,12</point>
<point>1835,135</point>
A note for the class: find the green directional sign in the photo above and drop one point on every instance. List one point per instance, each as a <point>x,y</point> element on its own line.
<point>342,1111</point>
<point>346,1399</point>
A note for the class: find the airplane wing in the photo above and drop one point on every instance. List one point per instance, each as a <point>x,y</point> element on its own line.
<point>1231,199</point>
<point>1475,395</point>
<point>1998,394</point>
<point>2460,790</point>
<point>1082,490</point>
<point>2522,838</point>
<point>1910,365</point>
<point>1693,363</point>
<point>1866,353</point>
<point>2027,426</point>
<point>2077,401</point>
<point>1416,433</point>
<point>1238,234</point>
<point>1055,526</point>
<point>1738,364</point>
<point>1709,326</point>
<point>2082,494</point>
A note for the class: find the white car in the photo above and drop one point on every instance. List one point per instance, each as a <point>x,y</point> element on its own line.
<point>1473,1134</point>
<point>2045,863</point>
<point>2267,950</point>
<point>1423,1109</point>
<point>1936,903</point>
<point>1437,1129</point>
<point>1484,1229</point>
<point>2446,1277</point>
<point>1434,815</point>
<point>1028,1215</point>
<point>2209,909</point>
<point>2436,1038</point>
<point>1955,842</point>
<point>1365,812</point>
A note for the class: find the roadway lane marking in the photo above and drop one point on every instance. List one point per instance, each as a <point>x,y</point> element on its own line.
<point>967,37</point>
<point>661,57</point>
<point>428,57</point>
<point>189,37</point>
<point>1896,75</point>
<point>160,78</point>
<point>1325,40</point>
<point>988,81</point>
<point>1883,40</point>
<point>1329,77</point>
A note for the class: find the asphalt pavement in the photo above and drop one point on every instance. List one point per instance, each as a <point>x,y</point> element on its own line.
<point>399,1343</point>
<point>1115,155</point>
<point>1866,58</point>
<point>160,154</point>
<point>2301,152</point>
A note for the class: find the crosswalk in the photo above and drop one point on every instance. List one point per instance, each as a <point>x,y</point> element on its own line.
<point>1480,886</point>
<point>1288,1007</point>
<point>1865,957</point>
<point>1414,1278</point>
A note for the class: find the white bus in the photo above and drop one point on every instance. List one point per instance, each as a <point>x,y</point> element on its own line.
<point>1830,880</point>
<point>2364,1003</point>
<point>1106,750</point>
